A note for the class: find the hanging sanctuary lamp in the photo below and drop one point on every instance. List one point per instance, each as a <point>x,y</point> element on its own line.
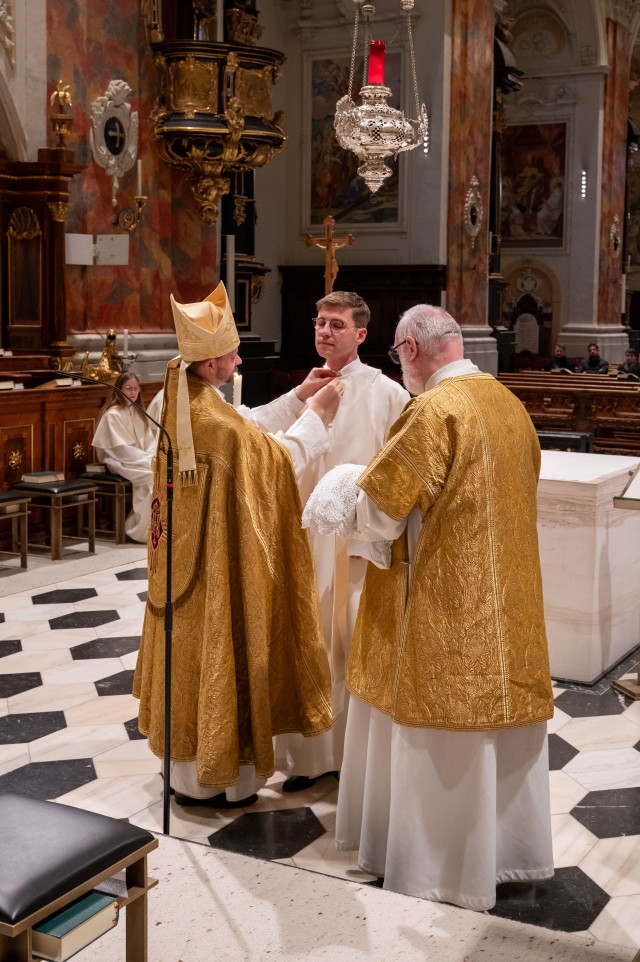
<point>375,131</point>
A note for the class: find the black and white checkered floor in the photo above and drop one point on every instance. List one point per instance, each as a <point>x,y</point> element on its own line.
<point>68,732</point>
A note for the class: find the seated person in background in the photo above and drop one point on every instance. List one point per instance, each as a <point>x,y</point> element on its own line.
<point>630,365</point>
<point>593,364</point>
<point>560,361</point>
<point>125,442</point>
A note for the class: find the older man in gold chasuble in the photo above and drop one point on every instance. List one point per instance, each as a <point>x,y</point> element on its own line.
<point>248,654</point>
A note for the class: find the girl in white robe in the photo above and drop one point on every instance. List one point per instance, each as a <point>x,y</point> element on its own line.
<point>125,442</point>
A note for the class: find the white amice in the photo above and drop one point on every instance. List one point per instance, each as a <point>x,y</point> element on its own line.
<point>590,556</point>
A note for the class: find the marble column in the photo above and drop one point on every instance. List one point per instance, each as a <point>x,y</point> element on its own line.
<point>472,29</point>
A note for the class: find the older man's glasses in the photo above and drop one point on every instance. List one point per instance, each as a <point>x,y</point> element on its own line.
<point>393,352</point>
<point>336,326</point>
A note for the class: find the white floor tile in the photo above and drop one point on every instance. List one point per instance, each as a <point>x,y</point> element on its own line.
<point>565,793</point>
<point>600,732</point>
<point>128,758</point>
<point>599,770</point>
<point>13,756</point>
<point>322,856</point>
<point>619,922</point>
<point>89,669</point>
<point>52,697</point>
<point>103,710</point>
<point>614,863</point>
<point>571,841</point>
<point>119,797</point>
<point>26,661</point>
<point>84,742</point>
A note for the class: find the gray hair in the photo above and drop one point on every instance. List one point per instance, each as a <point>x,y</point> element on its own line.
<point>430,326</point>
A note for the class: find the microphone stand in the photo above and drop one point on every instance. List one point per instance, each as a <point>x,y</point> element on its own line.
<point>168,605</point>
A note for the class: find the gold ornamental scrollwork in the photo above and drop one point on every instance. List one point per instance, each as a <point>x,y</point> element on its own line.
<point>23,224</point>
<point>59,210</point>
<point>193,87</point>
<point>243,27</point>
<point>257,287</point>
<point>240,209</point>
<point>78,452</point>
<point>473,210</point>
<point>15,460</point>
<point>253,90</point>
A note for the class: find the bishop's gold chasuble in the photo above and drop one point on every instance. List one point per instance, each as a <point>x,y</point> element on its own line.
<point>248,653</point>
<point>454,638</point>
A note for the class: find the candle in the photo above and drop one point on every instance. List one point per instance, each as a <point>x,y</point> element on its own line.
<point>376,62</point>
<point>231,270</point>
<point>237,389</point>
<point>623,305</point>
<point>139,178</point>
<point>126,341</point>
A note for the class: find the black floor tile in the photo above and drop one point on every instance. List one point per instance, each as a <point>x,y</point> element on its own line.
<point>48,779</point>
<point>610,813</point>
<point>83,619</point>
<point>583,704</point>
<point>16,729</point>
<point>142,595</point>
<point>1,617</point>
<point>269,835</point>
<point>10,646</point>
<point>133,574</point>
<point>560,752</point>
<point>105,648</point>
<point>119,684</point>
<point>132,729</point>
<point>21,681</point>
<point>64,596</point>
<point>569,902</point>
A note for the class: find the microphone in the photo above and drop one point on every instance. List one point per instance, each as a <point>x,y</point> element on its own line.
<point>168,604</point>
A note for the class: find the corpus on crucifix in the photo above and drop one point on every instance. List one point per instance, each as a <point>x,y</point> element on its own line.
<point>330,244</point>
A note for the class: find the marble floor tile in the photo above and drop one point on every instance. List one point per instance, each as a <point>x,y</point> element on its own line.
<point>4,707</point>
<point>122,628</point>
<point>565,793</point>
<point>558,721</point>
<point>119,797</point>
<point>38,613</point>
<point>571,841</point>
<point>15,629</point>
<point>24,661</point>
<point>633,711</point>
<point>112,647</point>
<point>325,811</point>
<point>600,770</point>
<point>84,742</point>
<point>269,835</point>
<point>619,922</point>
<point>609,731</point>
<point>129,661</point>
<point>194,824</point>
<point>133,611</point>
<point>614,863</point>
<point>322,856</point>
<point>63,596</point>
<point>48,640</point>
<point>127,758</point>
<point>52,697</point>
<point>109,710</point>
<point>73,671</point>
<point>13,756</point>
<point>48,780</point>
<point>109,597</point>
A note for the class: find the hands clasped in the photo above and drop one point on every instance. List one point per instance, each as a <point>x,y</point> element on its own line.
<point>322,390</point>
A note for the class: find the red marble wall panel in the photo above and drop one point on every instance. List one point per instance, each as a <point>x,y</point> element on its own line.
<point>469,155</point>
<point>91,42</point>
<point>614,160</point>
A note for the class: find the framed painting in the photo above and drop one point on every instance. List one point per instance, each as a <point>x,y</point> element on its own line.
<point>533,158</point>
<point>331,182</point>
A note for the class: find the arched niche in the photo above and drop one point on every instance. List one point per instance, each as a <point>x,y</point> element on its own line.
<point>533,288</point>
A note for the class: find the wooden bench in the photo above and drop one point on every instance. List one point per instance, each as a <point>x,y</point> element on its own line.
<point>15,508</point>
<point>59,496</point>
<point>51,854</point>
<point>117,489</point>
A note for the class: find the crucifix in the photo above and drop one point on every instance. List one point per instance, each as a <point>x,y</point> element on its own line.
<point>330,245</point>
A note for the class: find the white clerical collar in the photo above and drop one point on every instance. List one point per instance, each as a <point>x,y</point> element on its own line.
<point>454,369</point>
<point>349,368</point>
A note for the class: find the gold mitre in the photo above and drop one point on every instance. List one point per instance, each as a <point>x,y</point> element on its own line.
<point>205,329</point>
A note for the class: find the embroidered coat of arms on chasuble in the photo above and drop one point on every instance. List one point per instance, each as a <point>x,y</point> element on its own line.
<point>248,654</point>
<point>464,649</point>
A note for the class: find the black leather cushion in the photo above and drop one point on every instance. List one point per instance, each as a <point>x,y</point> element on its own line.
<point>6,497</point>
<point>103,476</point>
<point>56,487</point>
<point>47,849</point>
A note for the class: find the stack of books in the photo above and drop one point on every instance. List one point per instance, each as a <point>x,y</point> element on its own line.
<point>96,468</point>
<point>64,933</point>
<point>43,477</point>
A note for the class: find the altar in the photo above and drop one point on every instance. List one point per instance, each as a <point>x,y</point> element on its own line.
<point>590,555</point>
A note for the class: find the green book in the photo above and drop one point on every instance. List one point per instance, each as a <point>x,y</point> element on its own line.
<point>64,933</point>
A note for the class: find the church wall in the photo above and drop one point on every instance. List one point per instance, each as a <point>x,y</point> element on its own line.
<point>282,188</point>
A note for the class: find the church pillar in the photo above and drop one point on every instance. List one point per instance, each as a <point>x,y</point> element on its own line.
<point>472,30</point>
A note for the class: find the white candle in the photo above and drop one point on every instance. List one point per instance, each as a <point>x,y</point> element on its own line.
<point>231,270</point>
<point>139,178</point>
<point>623,304</point>
<point>237,389</point>
<point>126,341</point>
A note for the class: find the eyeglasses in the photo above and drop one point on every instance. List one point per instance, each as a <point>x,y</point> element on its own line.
<point>393,352</point>
<point>335,326</point>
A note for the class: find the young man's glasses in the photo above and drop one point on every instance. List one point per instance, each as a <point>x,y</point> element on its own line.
<point>393,352</point>
<point>335,325</point>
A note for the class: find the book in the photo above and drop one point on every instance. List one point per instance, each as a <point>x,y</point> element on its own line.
<point>64,933</point>
<point>43,477</point>
<point>6,385</point>
<point>95,468</point>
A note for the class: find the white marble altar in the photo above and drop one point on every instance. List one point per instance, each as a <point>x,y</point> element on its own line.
<point>590,554</point>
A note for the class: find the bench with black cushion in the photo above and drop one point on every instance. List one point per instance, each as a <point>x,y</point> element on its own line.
<point>113,486</point>
<point>58,496</point>
<point>51,854</point>
<point>14,507</point>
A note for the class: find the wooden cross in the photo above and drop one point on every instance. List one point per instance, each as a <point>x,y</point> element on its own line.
<point>330,245</point>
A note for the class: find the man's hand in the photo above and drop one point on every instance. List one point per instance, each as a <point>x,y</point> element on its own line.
<point>315,379</point>
<point>325,402</point>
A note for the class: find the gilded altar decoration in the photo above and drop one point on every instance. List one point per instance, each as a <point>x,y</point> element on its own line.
<point>114,132</point>
<point>62,121</point>
<point>107,369</point>
<point>23,224</point>
<point>243,27</point>
<point>78,452</point>
<point>15,460</point>
<point>59,210</point>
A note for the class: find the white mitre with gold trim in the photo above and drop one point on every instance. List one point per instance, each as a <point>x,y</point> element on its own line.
<point>204,329</point>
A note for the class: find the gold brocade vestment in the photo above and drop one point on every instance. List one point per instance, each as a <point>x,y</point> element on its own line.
<point>454,638</point>
<point>248,652</point>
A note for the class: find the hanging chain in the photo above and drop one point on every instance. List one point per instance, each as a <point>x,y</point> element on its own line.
<point>353,50</point>
<point>413,64</point>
